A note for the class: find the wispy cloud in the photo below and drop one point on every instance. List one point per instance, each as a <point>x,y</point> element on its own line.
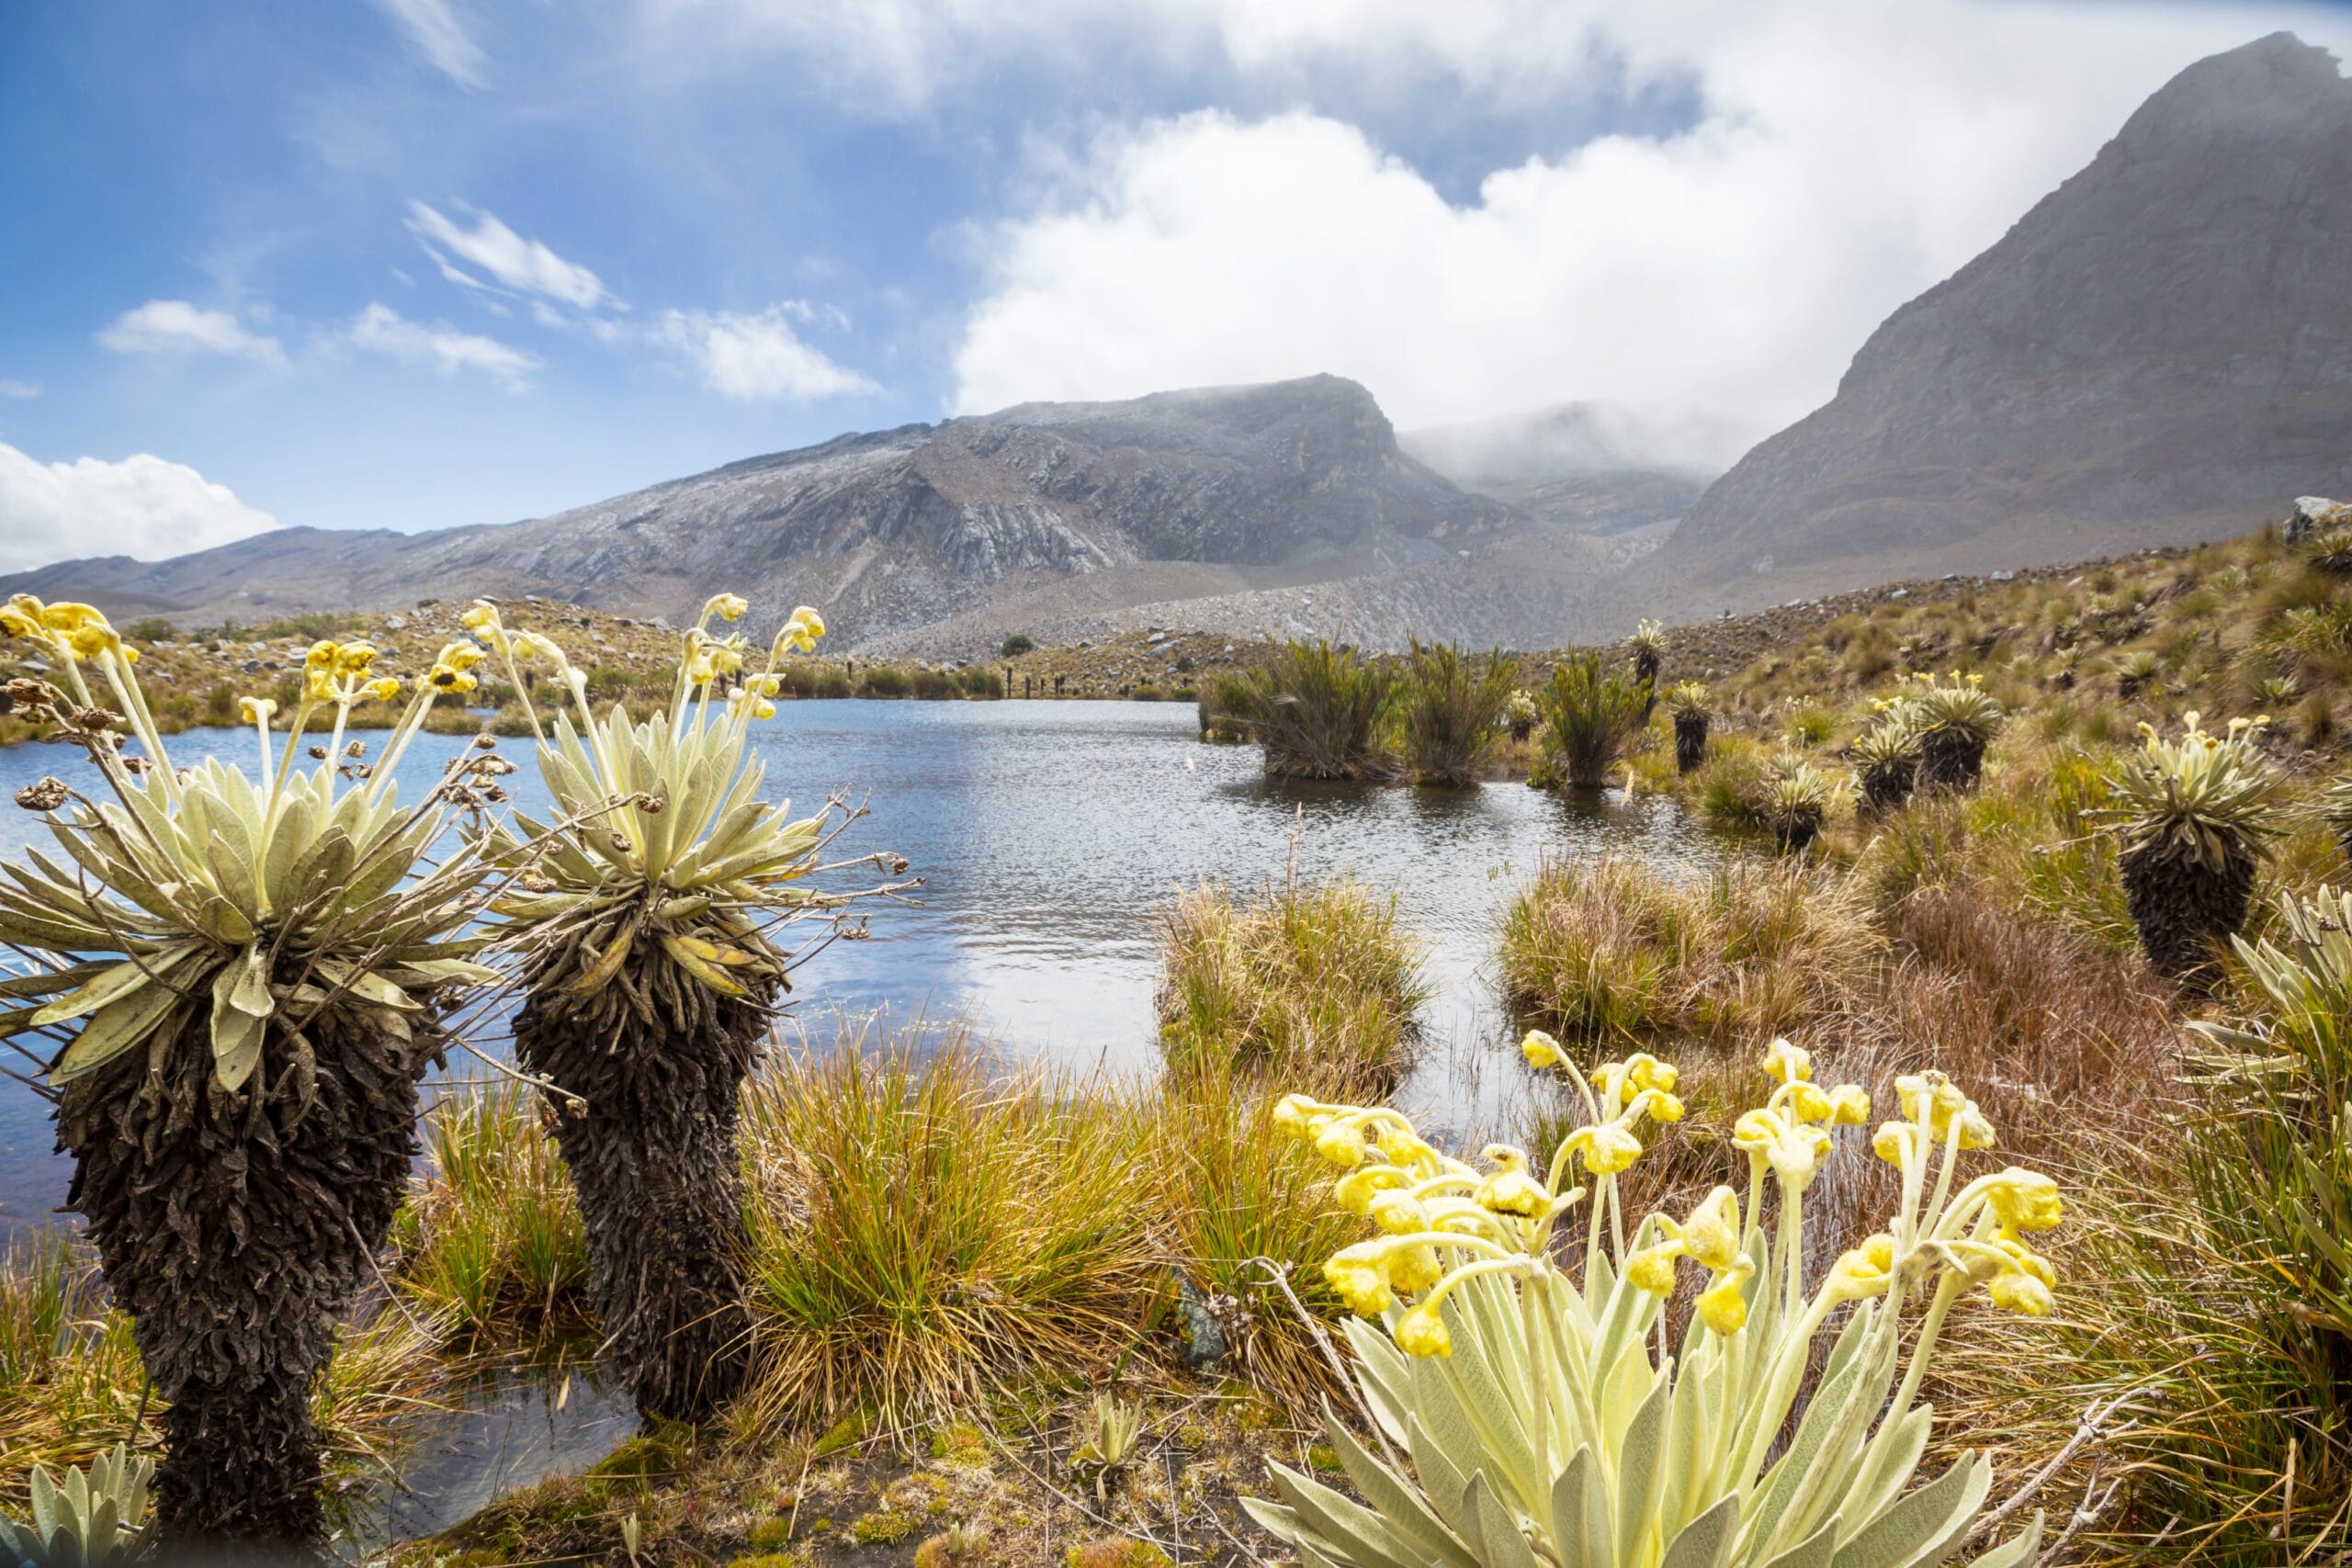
<point>525,266</point>
<point>21,392</point>
<point>142,506</point>
<point>757,357</point>
<point>444,349</point>
<point>435,32</point>
<point>175,326</point>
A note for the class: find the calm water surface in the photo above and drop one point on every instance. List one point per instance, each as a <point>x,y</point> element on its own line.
<point>1047,835</point>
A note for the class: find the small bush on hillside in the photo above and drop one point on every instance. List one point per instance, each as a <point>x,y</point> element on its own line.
<point>882,680</point>
<point>1018,644</point>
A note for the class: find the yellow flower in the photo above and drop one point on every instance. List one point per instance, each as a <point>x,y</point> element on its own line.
<point>1663,1107</point>
<point>483,615</point>
<point>2026,1200</point>
<point>1421,1332</point>
<point>1404,1147</point>
<point>384,689</point>
<point>1712,1233</point>
<point>1893,1141</point>
<point>323,655</point>
<point>808,620</point>
<point>2013,1289</point>
<point>1414,1267</point>
<point>442,678</point>
<point>531,645</point>
<point>1850,1105</point>
<point>69,616</point>
<point>1721,1306</point>
<point>1398,1213</point>
<point>89,641</point>
<point>1511,1191</point>
<point>1645,1071</point>
<point>726,607</point>
<point>1358,1275</point>
<point>319,687</point>
<point>257,710</point>
<point>1652,1267</point>
<point>21,617</point>
<point>460,656</point>
<point>1341,1144</point>
<point>1355,1190</point>
<point>1539,1049</point>
<point>726,658</point>
<point>1811,1103</point>
<point>356,657</point>
<point>1291,1113</point>
<point>763,709</point>
<point>1611,1149</point>
<point>1865,1270</point>
<point>1788,1063</point>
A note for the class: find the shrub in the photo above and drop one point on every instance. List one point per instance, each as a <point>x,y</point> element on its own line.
<point>935,685</point>
<point>1797,803</point>
<point>1590,713</point>
<point>1017,644</point>
<point>2192,816</point>
<point>1609,948</point>
<point>1315,982</point>
<point>882,681</point>
<point>982,683</point>
<point>1449,707</point>
<point>1554,1393</point>
<point>1886,762</point>
<point>1315,709</point>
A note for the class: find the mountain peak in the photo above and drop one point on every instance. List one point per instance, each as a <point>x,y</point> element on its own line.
<point>2258,89</point>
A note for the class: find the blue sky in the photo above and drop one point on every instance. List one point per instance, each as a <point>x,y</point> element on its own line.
<point>414,263</point>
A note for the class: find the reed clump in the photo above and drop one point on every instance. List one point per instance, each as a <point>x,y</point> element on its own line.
<point>1451,710</point>
<point>1591,714</point>
<point>1318,711</point>
<point>1313,980</point>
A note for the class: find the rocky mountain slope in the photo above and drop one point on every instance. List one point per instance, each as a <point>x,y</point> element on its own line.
<point>1175,495</point>
<point>2159,349</point>
<point>1580,468</point>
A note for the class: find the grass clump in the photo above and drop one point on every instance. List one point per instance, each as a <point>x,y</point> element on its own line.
<point>492,1235</point>
<point>1611,947</point>
<point>1451,708</point>
<point>1312,983</point>
<point>1590,713</point>
<point>922,1233</point>
<point>1315,709</point>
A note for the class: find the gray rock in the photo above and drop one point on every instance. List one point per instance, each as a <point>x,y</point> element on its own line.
<point>2306,516</point>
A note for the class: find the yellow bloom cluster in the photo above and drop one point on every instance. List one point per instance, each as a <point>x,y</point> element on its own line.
<point>70,632</point>
<point>338,672</point>
<point>1443,1222</point>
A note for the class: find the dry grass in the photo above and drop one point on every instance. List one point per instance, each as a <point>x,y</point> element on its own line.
<point>1313,984</point>
<point>1613,950</point>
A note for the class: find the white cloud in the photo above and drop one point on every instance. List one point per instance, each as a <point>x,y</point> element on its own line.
<point>22,392</point>
<point>435,32</point>
<point>1847,154</point>
<point>520,263</point>
<point>142,506</point>
<point>175,326</point>
<point>755,359</point>
<point>442,349</point>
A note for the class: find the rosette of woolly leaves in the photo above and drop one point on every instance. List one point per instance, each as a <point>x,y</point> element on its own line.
<point>95,1518</point>
<point>660,825</point>
<point>207,894</point>
<point>2202,798</point>
<point>1960,708</point>
<point>1687,697</point>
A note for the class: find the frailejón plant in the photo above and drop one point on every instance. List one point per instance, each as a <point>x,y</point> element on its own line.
<point>1528,1405</point>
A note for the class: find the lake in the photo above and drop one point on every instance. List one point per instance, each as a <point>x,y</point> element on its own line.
<point>1048,834</point>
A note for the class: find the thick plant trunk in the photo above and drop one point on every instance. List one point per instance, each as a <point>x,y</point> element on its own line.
<point>1887,786</point>
<point>652,1157</point>
<point>2185,910</point>
<point>1793,833</point>
<point>1950,760</point>
<point>236,1228</point>
<point>1690,740</point>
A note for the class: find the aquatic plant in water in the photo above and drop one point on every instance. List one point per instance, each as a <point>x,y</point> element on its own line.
<point>1528,1410</point>
<point>237,1083</point>
<point>645,919</point>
